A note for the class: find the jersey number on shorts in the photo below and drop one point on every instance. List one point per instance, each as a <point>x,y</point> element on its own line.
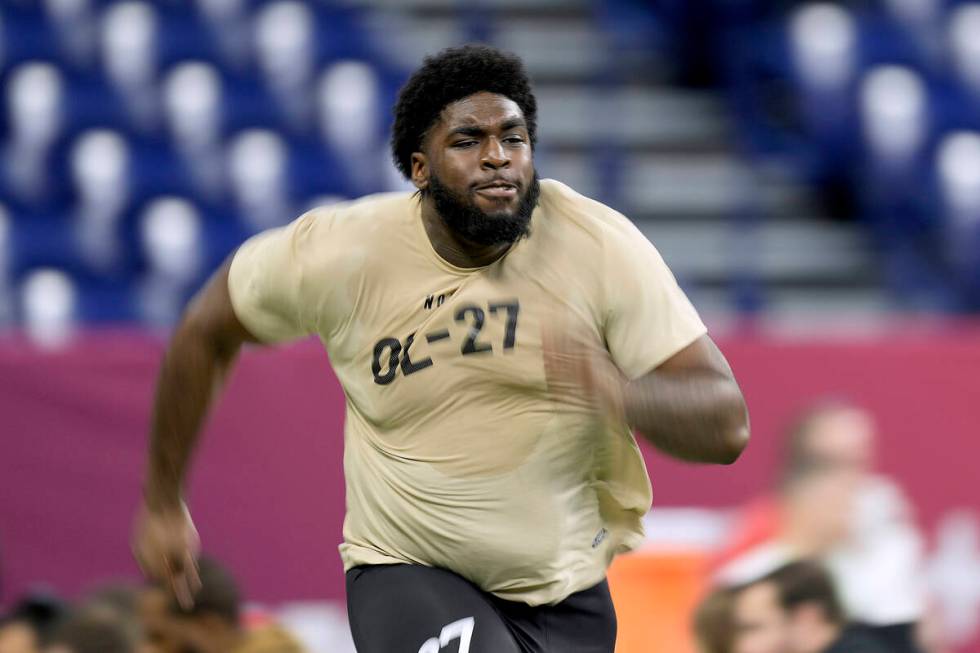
<point>461,630</point>
<point>390,353</point>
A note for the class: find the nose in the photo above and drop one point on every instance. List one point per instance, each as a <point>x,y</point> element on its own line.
<point>494,155</point>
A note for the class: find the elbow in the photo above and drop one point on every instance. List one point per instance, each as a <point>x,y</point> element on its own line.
<point>734,441</point>
<point>735,434</point>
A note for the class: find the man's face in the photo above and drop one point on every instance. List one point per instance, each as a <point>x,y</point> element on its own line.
<point>843,439</point>
<point>478,167</point>
<point>761,625</point>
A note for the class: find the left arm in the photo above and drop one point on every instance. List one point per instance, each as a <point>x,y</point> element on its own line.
<point>690,406</point>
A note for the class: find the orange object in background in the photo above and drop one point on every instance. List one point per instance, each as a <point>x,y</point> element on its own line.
<point>655,593</point>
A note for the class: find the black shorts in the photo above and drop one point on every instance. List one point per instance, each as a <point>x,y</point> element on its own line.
<point>415,609</point>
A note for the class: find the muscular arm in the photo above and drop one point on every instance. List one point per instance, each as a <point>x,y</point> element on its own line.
<point>690,406</point>
<point>201,352</point>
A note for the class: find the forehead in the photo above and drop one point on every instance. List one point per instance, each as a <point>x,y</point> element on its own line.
<point>481,109</point>
<point>756,601</point>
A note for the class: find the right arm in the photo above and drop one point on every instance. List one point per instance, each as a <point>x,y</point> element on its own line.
<point>200,354</point>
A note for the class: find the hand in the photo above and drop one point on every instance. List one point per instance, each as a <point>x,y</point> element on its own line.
<point>577,366</point>
<point>166,546</point>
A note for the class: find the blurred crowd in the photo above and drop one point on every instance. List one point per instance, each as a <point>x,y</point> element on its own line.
<point>830,561</point>
<point>144,618</point>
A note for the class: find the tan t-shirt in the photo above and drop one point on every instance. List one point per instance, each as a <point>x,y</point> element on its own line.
<point>456,453</point>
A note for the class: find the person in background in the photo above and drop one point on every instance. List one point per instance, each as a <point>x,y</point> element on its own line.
<point>213,624</point>
<point>17,636</point>
<point>94,629</point>
<point>829,504</point>
<point>120,599</point>
<point>712,622</point>
<point>795,610</point>
<point>29,624</point>
<point>160,633</point>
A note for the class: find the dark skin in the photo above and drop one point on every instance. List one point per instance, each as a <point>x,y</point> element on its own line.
<point>690,406</point>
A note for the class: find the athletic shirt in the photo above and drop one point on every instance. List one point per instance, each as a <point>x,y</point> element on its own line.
<point>457,453</point>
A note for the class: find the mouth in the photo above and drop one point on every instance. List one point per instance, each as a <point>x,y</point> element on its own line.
<point>497,190</point>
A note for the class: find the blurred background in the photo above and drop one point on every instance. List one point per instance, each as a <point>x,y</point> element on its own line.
<point>809,170</point>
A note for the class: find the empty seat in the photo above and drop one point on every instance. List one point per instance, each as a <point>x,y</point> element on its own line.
<point>171,240</point>
<point>192,98</point>
<point>257,164</point>
<point>823,39</point>
<point>893,114</point>
<point>348,107</point>
<point>958,171</point>
<point>6,250</point>
<point>35,106</point>
<point>286,54</point>
<point>129,57</point>
<point>48,305</point>
<point>100,164</point>
<point>964,46</point>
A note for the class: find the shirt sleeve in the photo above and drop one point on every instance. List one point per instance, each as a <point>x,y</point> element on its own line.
<point>266,283</point>
<point>648,317</point>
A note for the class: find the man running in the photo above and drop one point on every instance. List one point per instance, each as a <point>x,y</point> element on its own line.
<point>496,337</point>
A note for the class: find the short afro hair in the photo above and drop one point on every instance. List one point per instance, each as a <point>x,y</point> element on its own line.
<point>451,75</point>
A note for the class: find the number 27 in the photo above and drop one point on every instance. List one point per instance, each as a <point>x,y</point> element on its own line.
<point>470,344</point>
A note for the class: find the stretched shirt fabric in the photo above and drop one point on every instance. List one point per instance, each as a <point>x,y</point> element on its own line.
<point>457,453</point>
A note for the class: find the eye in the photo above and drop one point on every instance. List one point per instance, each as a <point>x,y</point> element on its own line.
<point>464,144</point>
<point>514,139</point>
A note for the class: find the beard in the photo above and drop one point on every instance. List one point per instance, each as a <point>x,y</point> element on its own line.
<point>466,219</point>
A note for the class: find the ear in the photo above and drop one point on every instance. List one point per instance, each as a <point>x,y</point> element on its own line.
<point>420,170</point>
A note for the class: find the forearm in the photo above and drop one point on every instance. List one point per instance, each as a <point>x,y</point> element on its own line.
<point>192,370</point>
<point>696,415</point>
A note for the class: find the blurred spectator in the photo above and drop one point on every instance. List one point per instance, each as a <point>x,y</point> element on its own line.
<point>120,599</point>
<point>795,610</point>
<point>713,628</point>
<point>17,636</point>
<point>214,624</point>
<point>93,629</point>
<point>830,505</point>
<point>30,623</point>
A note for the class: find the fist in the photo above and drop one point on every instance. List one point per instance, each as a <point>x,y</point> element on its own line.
<point>166,546</point>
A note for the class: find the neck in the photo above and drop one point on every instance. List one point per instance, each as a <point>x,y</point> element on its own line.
<point>452,247</point>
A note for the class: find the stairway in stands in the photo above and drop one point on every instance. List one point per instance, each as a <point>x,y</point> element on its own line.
<point>737,236</point>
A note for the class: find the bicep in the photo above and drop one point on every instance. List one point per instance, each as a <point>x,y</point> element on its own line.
<point>701,355</point>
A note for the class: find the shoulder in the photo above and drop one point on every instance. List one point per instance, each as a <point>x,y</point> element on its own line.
<point>368,213</point>
<point>324,232</point>
<point>566,208</point>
